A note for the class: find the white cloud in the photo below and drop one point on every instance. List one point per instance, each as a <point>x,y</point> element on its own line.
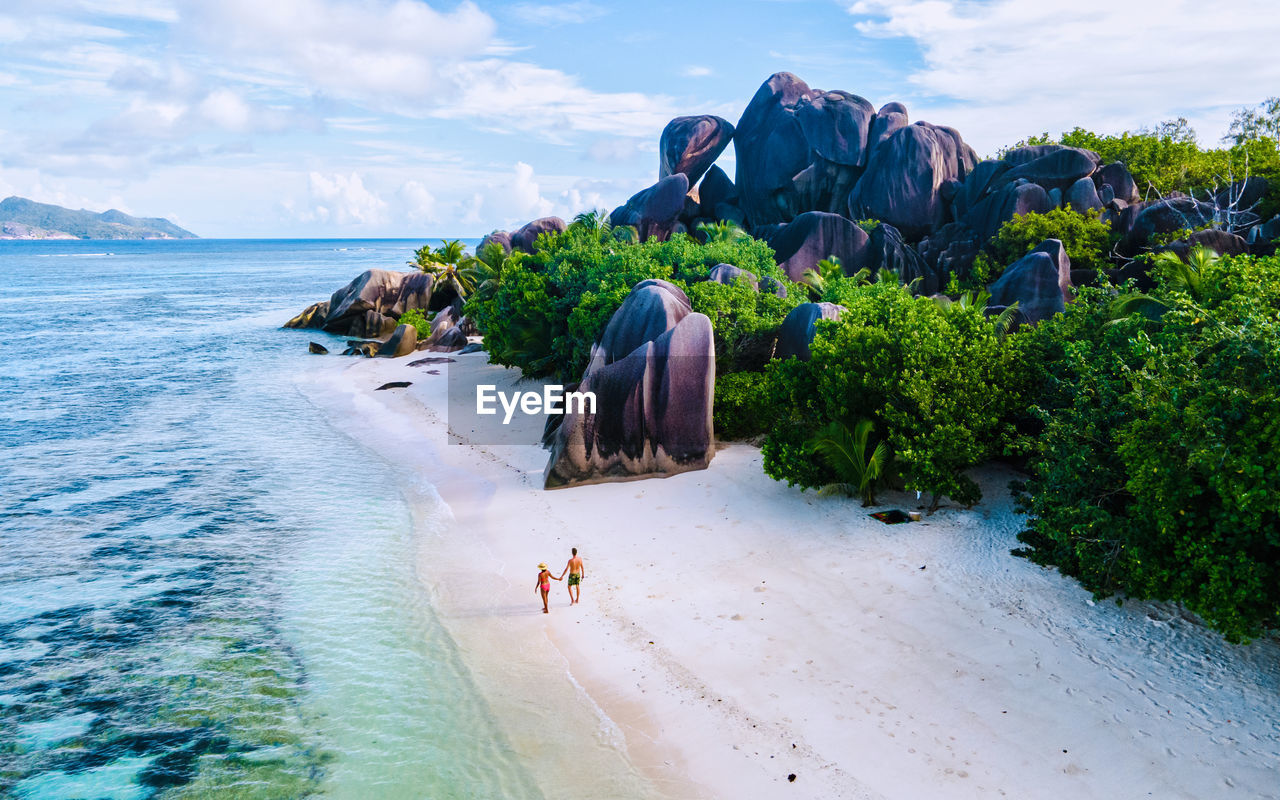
<point>556,14</point>
<point>515,95</point>
<point>696,71</point>
<point>150,10</point>
<point>343,200</point>
<point>418,204</point>
<point>406,58</point>
<point>1004,69</point>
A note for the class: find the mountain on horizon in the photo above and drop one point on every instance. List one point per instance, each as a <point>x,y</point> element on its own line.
<point>21,218</point>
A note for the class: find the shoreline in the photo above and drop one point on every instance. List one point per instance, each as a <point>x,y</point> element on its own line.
<point>734,632</point>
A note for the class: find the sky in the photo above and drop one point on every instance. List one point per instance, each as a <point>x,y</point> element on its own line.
<point>369,118</point>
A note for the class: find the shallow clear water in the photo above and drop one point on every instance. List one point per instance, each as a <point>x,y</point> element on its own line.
<point>205,590</point>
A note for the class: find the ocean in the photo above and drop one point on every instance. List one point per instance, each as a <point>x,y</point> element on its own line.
<point>206,589</point>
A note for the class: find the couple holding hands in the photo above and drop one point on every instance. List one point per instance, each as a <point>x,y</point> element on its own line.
<point>576,574</point>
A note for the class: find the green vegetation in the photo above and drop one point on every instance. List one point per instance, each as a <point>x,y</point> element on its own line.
<point>419,320</point>
<point>1167,158</point>
<point>448,264</point>
<point>1086,238</point>
<point>940,380</point>
<point>741,408</point>
<point>547,309</point>
<point>850,454</point>
<point>1152,473</point>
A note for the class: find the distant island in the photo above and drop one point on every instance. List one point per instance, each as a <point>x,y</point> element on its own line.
<point>21,218</point>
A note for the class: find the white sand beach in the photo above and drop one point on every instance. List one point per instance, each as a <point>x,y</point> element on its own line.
<point>734,632</point>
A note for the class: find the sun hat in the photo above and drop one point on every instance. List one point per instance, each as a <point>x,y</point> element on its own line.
<point>543,565</point>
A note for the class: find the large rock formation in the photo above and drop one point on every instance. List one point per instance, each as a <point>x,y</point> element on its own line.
<point>370,305</point>
<point>690,145</point>
<point>653,376</point>
<point>903,184</point>
<point>798,329</point>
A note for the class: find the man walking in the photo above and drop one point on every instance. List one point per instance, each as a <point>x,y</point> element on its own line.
<point>576,574</point>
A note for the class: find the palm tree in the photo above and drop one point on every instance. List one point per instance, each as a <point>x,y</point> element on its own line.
<point>979,299</point>
<point>484,269</point>
<point>444,263</point>
<point>1187,275</point>
<point>627,234</point>
<point>845,451</point>
<point>827,270</point>
<point>722,231</point>
<point>595,221</point>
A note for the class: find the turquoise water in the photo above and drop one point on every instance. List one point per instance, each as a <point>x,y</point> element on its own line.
<point>205,590</point>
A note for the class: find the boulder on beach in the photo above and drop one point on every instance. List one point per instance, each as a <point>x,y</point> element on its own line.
<point>653,400</point>
<point>690,145</point>
<point>369,305</point>
<point>798,329</point>
<point>311,317</point>
<point>315,348</point>
<point>401,342</point>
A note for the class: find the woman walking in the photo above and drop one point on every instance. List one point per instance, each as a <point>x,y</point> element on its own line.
<point>544,584</point>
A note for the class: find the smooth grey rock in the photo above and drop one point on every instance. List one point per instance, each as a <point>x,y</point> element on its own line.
<point>730,275</point>
<point>816,235</point>
<point>716,188</point>
<point>653,403</point>
<point>997,208</point>
<point>1034,284</point>
<point>1083,196</point>
<point>315,348</point>
<point>370,304</point>
<point>1123,187</point>
<point>1056,170</point>
<point>525,238</point>
<point>1165,216</point>
<point>771,149</point>
<point>902,182</point>
<point>690,145</point>
<point>655,211</point>
<point>798,329</point>
<point>402,342</point>
<point>886,249</point>
<point>501,238</point>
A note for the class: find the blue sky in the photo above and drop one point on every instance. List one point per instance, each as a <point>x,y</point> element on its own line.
<point>251,118</point>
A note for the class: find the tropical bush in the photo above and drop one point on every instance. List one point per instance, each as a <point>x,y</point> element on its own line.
<point>1168,158</point>
<point>550,307</point>
<point>1085,237</point>
<point>1153,473</point>
<point>741,409</point>
<point>418,319</point>
<point>939,380</point>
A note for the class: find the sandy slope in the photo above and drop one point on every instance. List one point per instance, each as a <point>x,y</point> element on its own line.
<point>734,631</point>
